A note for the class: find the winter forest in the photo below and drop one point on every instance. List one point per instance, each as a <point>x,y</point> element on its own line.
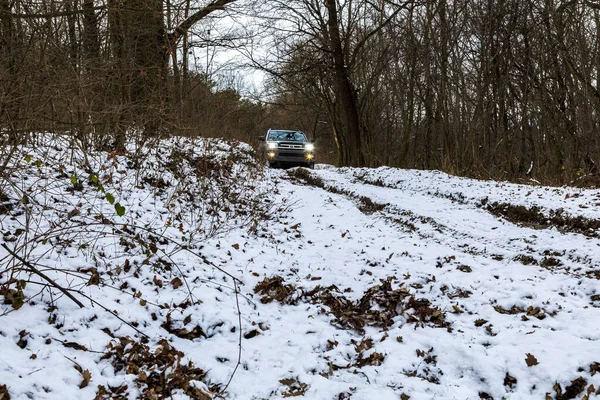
<point>440,239</point>
<point>496,89</point>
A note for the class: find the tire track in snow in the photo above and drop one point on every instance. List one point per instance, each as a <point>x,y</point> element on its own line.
<point>468,229</point>
<point>499,309</point>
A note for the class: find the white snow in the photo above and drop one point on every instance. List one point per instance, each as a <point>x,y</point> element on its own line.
<point>432,236</point>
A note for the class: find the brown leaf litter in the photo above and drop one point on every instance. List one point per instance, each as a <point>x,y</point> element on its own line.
<point>183,333</point>
<point>159,372</point>
<point>379,306</point>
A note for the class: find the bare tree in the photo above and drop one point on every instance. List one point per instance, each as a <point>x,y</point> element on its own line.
<point>334,35</point>
<point>488,88</point>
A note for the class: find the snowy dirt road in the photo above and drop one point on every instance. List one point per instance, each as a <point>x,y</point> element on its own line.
<point>359,283</point>
<point>520,303</point>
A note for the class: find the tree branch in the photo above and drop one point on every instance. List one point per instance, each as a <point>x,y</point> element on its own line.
<point>364,40</point>
<point>182,28</point>
<point>54,14</point>
<point>42,275</point>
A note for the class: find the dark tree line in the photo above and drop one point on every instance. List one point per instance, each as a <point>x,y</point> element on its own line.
<point>490,88</point>
<point>101,69</point>
<point>503,89</point>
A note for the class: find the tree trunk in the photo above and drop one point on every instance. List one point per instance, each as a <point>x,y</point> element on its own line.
<point>91,36</point>
<point>146,43</point>
<point>345,94</point>
<point>8,106</point>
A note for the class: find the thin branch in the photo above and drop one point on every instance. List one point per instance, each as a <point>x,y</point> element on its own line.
<point>239,357</point>
<point>43,276</point>
<point>114,314</point>
<point>182,28</point>
<point>375,31</point>
<point>54,14</point>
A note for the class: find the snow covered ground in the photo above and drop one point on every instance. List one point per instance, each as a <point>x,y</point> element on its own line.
<point>352,283</point>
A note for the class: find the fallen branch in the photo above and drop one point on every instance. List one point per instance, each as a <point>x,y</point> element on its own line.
<point>43,276</point>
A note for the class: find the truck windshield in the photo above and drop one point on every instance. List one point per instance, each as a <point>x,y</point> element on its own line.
<point>294,136</point>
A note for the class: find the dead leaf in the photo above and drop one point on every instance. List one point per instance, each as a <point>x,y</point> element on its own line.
<point>464,268</point>
<point>489,330</point>
<point>510,381</point>
<point>150,366</point>
<point>4,395</point>
<point>94,278</point>
<point>235,246</point>
<point>87,377</point>
<point>183,333</point>
<point>177,283</point>
<point>274,289</point>
<point>457,309</point>
<point>76,346</point>
<point>295,387</point>
<point>22,343</point>
<point>374,359</point>
<point>531,360</point>
<point>365,344</point>
<point>253,333</point>
<point>576,387</point>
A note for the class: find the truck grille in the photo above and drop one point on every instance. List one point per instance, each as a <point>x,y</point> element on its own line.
<point>291,154</point>
<point>290,146</point>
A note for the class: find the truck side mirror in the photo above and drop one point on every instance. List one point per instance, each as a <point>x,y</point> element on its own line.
<point>261,138</point>
<point>312,140</point>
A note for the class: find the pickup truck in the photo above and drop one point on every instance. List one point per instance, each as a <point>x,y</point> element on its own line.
<point>288,148</point>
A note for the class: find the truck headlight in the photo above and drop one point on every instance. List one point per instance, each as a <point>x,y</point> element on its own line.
<point>309,147</point>
<point>271,146</point>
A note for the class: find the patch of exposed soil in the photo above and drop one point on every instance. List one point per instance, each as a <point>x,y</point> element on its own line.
<point>534,217</point>
<point>518,214</point>
<point>526,259</point>
<point>5,204</point>
<point>305,176</point>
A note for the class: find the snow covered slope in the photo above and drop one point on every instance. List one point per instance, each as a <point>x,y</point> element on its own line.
<point>351,283</point>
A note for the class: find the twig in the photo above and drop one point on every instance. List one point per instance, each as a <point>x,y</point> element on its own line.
<point>114,314</point>
<point>239,359</point>
<point>74,362</point>
<point>43,276</point>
